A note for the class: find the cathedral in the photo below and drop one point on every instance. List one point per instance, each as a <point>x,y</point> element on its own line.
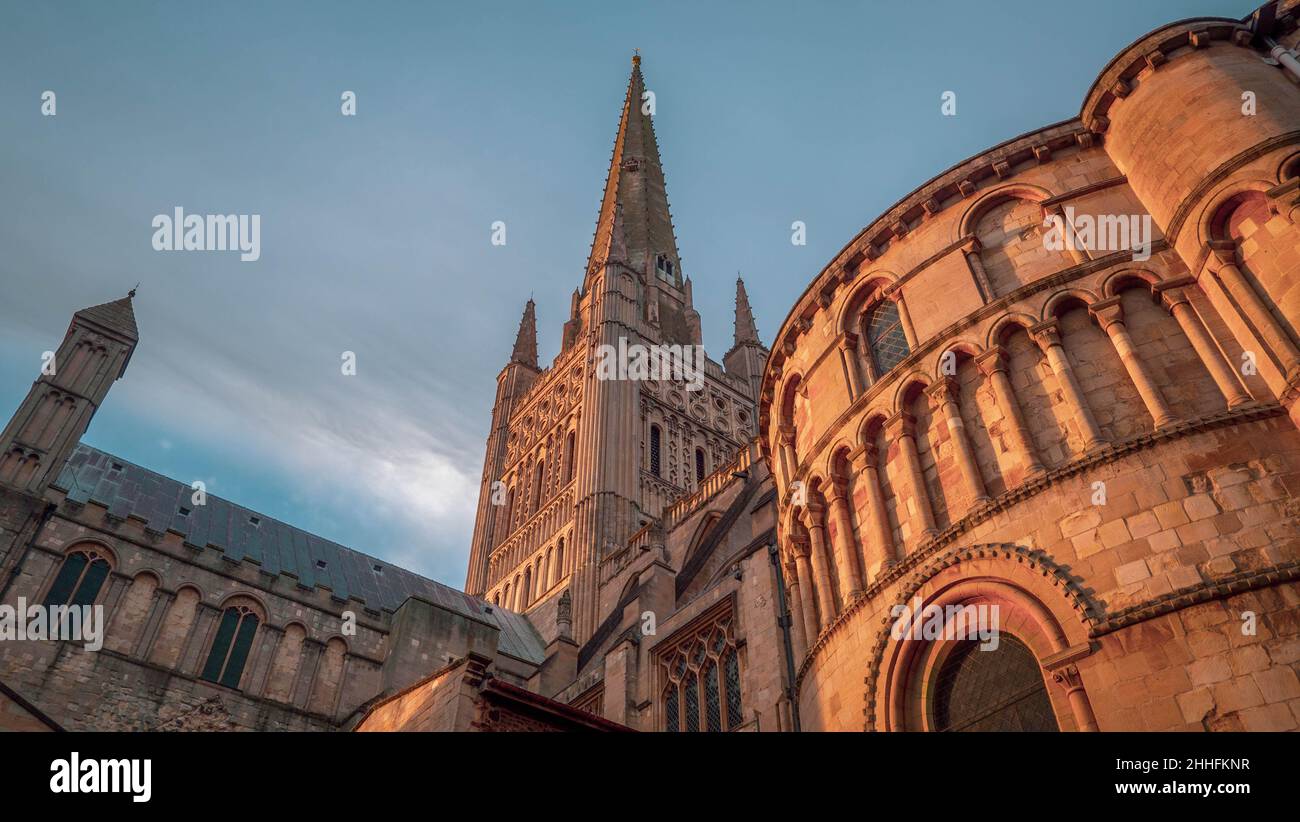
<point>1051,396</point>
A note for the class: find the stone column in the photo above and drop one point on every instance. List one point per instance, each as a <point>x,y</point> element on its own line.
<point>1173,296</point>
<point>1067,676</point>
<point>810,589</point>
<point>798,632</point>
<point>814,519</point>
<point>992,364</point>
<point>1048,338</point>
<point>1223,263</point>
<point>943,394</point>
<point>790,466</point>
<point>849,356</point>
<point>1109,314</point>
<point>845,540</point>
<point>904,318</point>
<point>879,552</point>
<point>902,429</point>
<point>971,250</point>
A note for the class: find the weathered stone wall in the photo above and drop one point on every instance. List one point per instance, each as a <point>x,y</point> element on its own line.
<point>1077,435</point>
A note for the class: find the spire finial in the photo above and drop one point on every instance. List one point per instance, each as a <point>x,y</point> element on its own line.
<point>130,295</point>
<point>636,57</point>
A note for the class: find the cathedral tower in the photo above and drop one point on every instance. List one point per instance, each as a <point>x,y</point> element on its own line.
<point>578,462</point>
<point>73,382</point>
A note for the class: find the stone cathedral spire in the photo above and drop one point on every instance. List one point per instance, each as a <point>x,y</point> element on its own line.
<point>525,350</point>
<point>635,228</point>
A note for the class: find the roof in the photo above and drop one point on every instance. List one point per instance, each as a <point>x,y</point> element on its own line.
<point>117,315</point>
<point>91,475</point>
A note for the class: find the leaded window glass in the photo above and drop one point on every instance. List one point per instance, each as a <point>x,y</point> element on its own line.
<point>993,690</point>
<point>79,580</point>
<point>712,705</point>
<point>701,674</point>
<point>692,695</point>
<point>885,337</point>
<point>654,450</point>
<point>231,645</point>
<point>733,691</point>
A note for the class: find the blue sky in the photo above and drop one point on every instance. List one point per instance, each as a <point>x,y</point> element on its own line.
<point>376,228</point>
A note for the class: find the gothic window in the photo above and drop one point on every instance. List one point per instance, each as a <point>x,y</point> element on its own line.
<point>996,690</point>
<point>510,511</point>
<point>537,485</point>
<point>79,580</point>
<point>664,268</point>
<point>654,450</point>
<point>885,337</point>
<point>230,648</point>
<point>528,587</point>
<point>568,458</point>
<point>559,558</point>
<point>699,465</point>
<point>701,675</point>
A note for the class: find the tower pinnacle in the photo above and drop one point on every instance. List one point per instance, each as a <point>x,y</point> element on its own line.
<point>746,330</point>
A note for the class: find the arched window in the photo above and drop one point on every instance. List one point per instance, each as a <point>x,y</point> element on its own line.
<point>664,268</point>
<point>79,580</point>
<point>654,450</point>
<point>702,680</point>
<point>699,465</point>
<point>510,512</point>
<point>994,690</point>
<point>528,587</point>
<point>885,337</point>
<point>559,558</point>
<point>538,476</point>
<point>568,458</point>
<point>231,646</point>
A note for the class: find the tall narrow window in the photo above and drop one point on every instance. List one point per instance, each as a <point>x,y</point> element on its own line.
<point>559,558</point>
<point>654,450</point>
<point>568,458</point>
<point>699,465</point>
<point>885,337</point>
<point>528,587</point>
<point>538,476</point>
<point>231,646</point>
<point>510,512</point>
<point>712,703</point>
<point>79,580</point>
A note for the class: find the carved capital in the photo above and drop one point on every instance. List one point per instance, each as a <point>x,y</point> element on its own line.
<point>1222,253</point>
<point>900,425</point>
<point>849,342</point>
<point>1107,313</point>
<point>942,391</point>
<point>970,244</point>
<point>1068,678</point>
<point>1046,335</point>
<point>991,361</point>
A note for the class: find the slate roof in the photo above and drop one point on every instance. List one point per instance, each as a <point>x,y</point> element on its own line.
<point>117,315</point>
<point>281,549</point>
